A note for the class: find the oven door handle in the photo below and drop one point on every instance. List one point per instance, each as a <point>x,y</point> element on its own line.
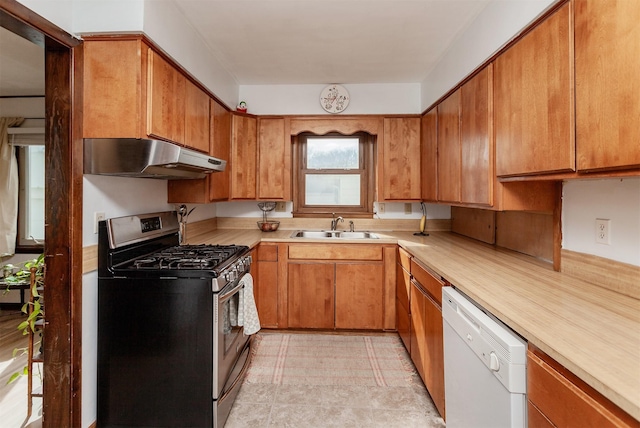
<point>234,290</point>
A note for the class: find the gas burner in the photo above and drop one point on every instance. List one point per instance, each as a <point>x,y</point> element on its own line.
<point>187,257</point>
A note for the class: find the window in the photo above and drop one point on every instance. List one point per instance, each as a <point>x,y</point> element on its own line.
<point>333,174</point>
<point>30,197</point>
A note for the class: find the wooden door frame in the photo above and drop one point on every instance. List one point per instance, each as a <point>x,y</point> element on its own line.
<point>62,340</point>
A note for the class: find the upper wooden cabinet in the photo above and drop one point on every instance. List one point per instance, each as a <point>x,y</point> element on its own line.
<point>165,100</point>
<point>274,159</point>
<point>607,61</point>
<point>476,139</point>
<point>534,107</point>
<point>243,157</point>
<point>131,91</point>
<point>449,148</point>
<point>429,155</point>
<point>197,117</point>
<point>400,172</point>
<point>214,187</point>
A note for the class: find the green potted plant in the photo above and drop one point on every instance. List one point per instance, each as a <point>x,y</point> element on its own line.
<point>33,308</point>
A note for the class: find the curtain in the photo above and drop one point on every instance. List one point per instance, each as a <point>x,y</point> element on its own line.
<point>8,188</point>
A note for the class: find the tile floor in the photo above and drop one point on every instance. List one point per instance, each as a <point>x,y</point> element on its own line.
<point>309,406</point>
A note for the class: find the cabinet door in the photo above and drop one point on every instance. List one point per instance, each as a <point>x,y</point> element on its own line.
<point>401,163</point>
<point>359,296</point>
<point>267,285</point>
<point>429,155</point>
<point>403,291</point>
<point>533,101</point>
<point>196,118</point>
<point>434,358</point>
<point>274,160</point>
<point>418,334</point>
<point>243,157</point>
<point>114,77</point>
<point>310,300</point>
<point>449,148</point>
<point>476,142</point>
<point>165,100</point>
<point>221,149</point>
<point>607,57</point>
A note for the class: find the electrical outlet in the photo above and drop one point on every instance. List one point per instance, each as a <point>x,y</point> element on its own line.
<point>407,208</point>
<point>381,208</point>
<point>602,231</point>
<point>281,207</point>
<point>96,218</point>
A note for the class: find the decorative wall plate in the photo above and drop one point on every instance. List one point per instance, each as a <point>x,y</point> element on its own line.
<point>334,98</point>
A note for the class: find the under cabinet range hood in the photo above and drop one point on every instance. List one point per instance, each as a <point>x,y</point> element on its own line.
<point>130,157</point>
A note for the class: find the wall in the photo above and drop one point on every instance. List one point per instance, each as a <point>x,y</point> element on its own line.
<point>162,21</point>
<point>498,23</point>
<point>398,98</point>
<point>614,199</point>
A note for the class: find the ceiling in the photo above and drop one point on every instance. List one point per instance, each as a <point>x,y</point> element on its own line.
<point>264,42</point>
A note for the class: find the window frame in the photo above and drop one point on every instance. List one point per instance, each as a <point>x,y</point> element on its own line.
<point>24,245</point>
<point>366,171</point>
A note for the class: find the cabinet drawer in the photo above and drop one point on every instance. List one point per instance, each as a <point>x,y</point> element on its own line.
<point>566,400</point>
<point>335,252</point>
<point>404,259</point>
<point>267,253</point>
<point>429,280</point>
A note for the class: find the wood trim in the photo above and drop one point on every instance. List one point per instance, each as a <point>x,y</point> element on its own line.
<point>63,211</point>
<point>610,274</point>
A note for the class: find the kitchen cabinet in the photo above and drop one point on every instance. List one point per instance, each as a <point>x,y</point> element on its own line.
<point>166,100</point>
<point>243,157</point>
<point>607,60</point>
<point>429,155</point>
<point>403,293</point>
<point>132,91</point>
<point>427,344</point>
<point>274,159</point>
<point>533,100</point>
<point>266,284</point>
<point>343,286</point>
<point>359,296</point>
<point>197,118</point>
<point>449,156</point>
<point>476,139</point>
<point>557,398</point>
<point>400,172</point>
<point>214,187</point>
<point>311,295</point>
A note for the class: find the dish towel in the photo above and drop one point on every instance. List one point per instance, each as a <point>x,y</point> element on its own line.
<point>247,311</point>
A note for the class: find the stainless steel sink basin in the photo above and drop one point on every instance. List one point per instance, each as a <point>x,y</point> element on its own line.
<point>332,234</point>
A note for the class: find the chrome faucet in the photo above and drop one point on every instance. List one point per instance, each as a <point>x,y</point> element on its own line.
<point>334,222</point>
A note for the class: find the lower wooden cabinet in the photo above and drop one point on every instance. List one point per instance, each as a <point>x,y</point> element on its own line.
<point>420,325</point>
<point>427,346</point>
<point>403,315</point>
<point>348,286</point>
<point>310,299</point>
<point>557,398</point>
<point>266,284</point>
<point>359,296</point>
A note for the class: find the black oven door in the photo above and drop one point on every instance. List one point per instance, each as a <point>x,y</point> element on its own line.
<point>230,340</point>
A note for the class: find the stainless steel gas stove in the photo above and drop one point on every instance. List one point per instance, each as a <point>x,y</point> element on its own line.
<point>169,354</point>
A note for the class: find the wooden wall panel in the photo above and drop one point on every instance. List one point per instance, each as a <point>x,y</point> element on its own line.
<point>529,233</point>
<point>474,223</point>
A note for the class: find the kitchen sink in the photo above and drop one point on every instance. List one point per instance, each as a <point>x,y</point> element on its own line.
<point>332,234</point>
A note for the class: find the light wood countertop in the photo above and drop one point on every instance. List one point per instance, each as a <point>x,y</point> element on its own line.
<point>592,331</point>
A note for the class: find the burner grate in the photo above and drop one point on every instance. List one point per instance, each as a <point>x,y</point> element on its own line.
<point>187,257</point>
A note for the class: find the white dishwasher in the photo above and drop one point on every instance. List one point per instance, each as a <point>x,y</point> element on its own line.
<point>484,367</point>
